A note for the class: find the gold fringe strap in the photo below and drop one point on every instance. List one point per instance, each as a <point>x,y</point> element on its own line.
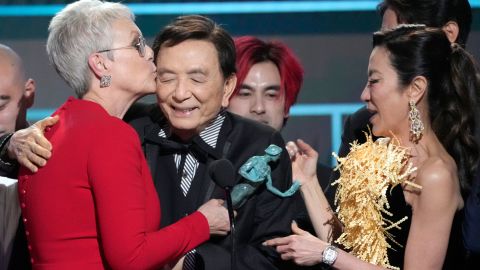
<point>366,174</point>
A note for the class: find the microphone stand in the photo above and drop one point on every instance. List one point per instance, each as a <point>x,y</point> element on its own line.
<point>232,226</point>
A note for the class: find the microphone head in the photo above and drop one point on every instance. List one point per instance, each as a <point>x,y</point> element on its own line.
<point>222,173</point>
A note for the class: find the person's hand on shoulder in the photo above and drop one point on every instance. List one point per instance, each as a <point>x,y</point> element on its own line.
<point>30,147</point>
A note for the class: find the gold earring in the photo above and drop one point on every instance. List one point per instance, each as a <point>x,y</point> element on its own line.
<point>105,81</point>
<point>416,125</point>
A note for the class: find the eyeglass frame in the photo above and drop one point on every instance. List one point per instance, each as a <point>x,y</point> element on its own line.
<point>140,46</point>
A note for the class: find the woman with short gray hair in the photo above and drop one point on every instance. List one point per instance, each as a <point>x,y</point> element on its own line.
<point>94,205</point>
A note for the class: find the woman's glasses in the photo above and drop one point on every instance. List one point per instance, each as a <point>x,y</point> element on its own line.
<point>139,46</point>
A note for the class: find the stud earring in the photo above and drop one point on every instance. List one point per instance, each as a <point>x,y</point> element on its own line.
<point>105,81</point>
<point>416,125</point>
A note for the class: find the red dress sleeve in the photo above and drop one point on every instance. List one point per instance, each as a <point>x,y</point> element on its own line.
<point>127,206</point>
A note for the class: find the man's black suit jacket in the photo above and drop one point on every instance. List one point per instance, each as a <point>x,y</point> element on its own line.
<point>263,217</point>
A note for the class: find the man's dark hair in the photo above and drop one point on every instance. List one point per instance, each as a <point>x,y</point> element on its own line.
<point>199,28</point>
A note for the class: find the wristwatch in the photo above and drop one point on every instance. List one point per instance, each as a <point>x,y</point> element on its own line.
<point>329,255</point>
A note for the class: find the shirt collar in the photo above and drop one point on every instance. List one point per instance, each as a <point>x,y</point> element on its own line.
<point>209,135</point>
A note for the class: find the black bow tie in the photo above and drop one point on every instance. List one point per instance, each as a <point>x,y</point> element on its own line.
<point>197,147</point>
<point>171,146</point>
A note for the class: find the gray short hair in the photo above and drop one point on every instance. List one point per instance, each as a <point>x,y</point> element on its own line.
<point>78,30</point>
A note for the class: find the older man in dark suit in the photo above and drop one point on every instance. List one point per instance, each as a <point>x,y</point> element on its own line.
<point>196,75</point>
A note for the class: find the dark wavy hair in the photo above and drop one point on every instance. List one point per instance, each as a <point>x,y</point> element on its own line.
<point>452,87</point>
<point>199,28</point>
<point>433,13</point>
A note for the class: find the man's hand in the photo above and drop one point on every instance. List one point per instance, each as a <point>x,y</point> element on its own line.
<point>217,216</point>
<point>30,147</point>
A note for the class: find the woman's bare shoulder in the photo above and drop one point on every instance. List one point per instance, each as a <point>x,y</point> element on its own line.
<point>439,181</point>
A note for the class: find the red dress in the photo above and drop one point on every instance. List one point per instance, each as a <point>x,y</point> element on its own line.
<point>94,206</point>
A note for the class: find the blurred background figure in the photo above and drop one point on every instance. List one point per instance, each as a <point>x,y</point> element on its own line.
<point>17,93</point>
<point>270,77</point>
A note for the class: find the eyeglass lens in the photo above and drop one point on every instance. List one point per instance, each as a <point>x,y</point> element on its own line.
<point>141,46</point>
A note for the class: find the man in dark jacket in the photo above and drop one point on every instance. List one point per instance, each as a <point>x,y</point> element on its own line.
<point>196,75</point>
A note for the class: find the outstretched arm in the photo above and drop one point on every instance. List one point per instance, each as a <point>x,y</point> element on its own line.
<point>304,162</point>
<point>305,249</point>
<point>433,212</point>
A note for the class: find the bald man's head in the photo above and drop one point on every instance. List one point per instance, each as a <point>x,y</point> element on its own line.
<point>16,91</point>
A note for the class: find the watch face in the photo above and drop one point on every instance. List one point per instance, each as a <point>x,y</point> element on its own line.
<point>330,255</point>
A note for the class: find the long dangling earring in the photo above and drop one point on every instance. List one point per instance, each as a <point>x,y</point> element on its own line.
<point>105,81</point>
<point>416,125</point>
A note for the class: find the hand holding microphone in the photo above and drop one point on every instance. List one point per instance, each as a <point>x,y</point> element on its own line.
<point>217,216</point>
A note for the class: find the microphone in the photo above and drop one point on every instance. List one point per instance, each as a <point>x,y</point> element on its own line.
<point>223,174</point>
